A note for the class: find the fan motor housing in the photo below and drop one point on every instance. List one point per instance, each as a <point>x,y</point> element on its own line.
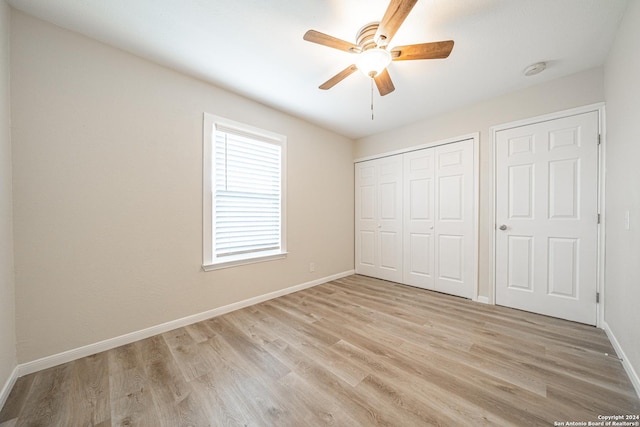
<point>366,35</point>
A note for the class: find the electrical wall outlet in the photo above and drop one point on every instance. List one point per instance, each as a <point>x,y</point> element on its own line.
<point>312,267</point>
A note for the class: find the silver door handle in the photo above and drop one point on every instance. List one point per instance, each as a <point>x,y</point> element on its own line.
<point>503,227</point>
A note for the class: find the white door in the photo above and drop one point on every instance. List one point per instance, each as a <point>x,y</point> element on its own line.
<point>439,225</point>
<point>418,212</point>
<point>379,218</point>
<point>454,260</point>
<point>546,217</point>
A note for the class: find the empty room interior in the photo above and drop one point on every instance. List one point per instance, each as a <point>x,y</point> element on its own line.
<point>389,212</point>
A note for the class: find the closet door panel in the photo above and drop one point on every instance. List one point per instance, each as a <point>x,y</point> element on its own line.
<point>418,218</point>
<point>366,214</point>
<point>454,219</point>
<point>379,218</point>
<point>389,243</point>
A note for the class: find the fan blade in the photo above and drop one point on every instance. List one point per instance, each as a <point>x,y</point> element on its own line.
<point>338,77</point>
<point>384,83</point>
<point>314,36</point>
<point>394,17</point>
<point>433,50</point>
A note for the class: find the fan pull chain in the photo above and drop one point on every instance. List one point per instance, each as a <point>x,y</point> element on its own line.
<point>371,98</point>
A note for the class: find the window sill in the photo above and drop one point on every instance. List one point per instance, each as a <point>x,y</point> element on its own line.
<point>243,261</point>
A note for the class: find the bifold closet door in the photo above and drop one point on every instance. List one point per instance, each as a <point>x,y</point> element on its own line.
<point>438,232</point>
<point>454,219</point>
<point>379,218</point>
<point>418,212</point>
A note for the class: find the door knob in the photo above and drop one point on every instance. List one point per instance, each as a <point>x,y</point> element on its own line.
<point>503,227</point>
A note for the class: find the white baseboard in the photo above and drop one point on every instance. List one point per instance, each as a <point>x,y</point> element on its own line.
<point>633,375</point>
<point>87,350</point>
<point>8,385</point>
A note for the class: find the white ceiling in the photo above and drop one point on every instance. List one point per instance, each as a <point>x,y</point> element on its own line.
<point>255,48</point>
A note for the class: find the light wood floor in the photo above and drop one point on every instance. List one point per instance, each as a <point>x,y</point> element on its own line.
<point>355,351</point>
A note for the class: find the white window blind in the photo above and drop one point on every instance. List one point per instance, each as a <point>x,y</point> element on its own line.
<point>246,194</point>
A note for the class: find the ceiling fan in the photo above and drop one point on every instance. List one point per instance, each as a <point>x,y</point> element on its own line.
<point>372,40</point>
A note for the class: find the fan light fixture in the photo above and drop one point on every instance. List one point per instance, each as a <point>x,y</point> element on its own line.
<point>372,62</point>
<point>369,52</point>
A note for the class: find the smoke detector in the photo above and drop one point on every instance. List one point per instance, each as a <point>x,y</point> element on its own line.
<point>534,69</point>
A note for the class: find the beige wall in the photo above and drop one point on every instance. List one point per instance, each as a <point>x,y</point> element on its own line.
<point>7,314</point>
<point>573,91</point>
<point>622,91</point>
<point>107,155</point>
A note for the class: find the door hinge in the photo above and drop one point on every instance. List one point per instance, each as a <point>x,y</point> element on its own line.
<point>597,297</point>
<point>598,218</point>
<point>599,139</point>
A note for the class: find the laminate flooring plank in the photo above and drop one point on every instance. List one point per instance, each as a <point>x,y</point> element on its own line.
<point>124,358</point>
<point>89,400</point>
<point>225,398</point>
<point>465,383</point>
<point>249,388</point>
<point>604,376</point>
<point>505,399</point>
<point>588,335</point>
<point>252,353</point>
<point>588,397</point>
<point>364,408</point>
<point>184,350</point>
<point>246,321</point>
<point>241,356</point>
<point>584,387</point>
<point>378,305</point>
<point>130,394</point>
<point>164,376</point>
<point>447,408</point>
<point>188,412</point>
<point>9,423</point>
<point>416,303</point>
<point>403,390</point>
<point>48,398</point>
<point>285,318</point>
<point>539,360</point>
<point>323,308</point>
<point>462,307</point>
<point>173,398</point>
<point>131,399</point>
<point>200,332</point>
<point>499,367</point>
<point>347,315</point>
<point>317,350</point>
<point>218,403</point>
<point>550,338</point>
<point>291,306</point>
<point>354,351</point>
<point>323,405</point>
<point>17,398</point>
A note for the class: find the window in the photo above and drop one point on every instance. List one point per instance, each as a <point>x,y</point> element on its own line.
<point>244,194</point>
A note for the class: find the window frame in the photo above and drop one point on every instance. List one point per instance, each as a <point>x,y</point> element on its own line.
<point>209,261</point>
